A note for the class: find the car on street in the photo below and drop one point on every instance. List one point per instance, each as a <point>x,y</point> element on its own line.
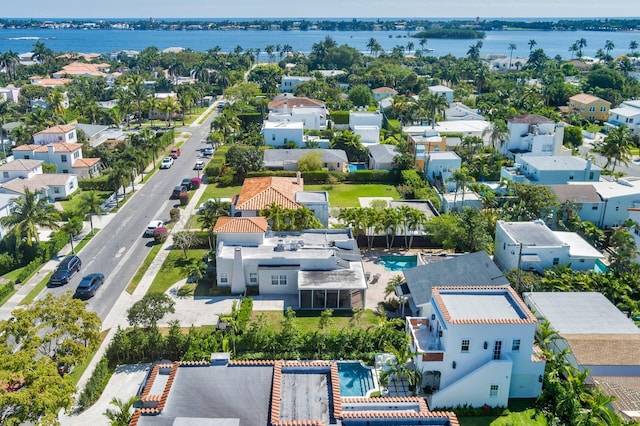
<point>175,153</point>
<point>167,162</point>
<point>199,165</point>
<point>179,190</point>
<point>186,182</point>
<point>88,286</point>
<point>148,232</point>
<point>65,270</point>
<point>207,152</point>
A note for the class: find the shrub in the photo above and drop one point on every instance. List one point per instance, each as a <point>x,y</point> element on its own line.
<point>226,178</point>
<point>174,214</point>
<point>372,176</point>
<point>96,384</point>
<point>195,182</point>
<point>100,183</point>
<point>28,270</point>
<point>250,117</point>
<point>7,263</point>
<point>184,198</point>
<point>160,234</point>
<point>6,289</point>
<point>187,290</point>
<point>340,117</point>
<point>244,314</point>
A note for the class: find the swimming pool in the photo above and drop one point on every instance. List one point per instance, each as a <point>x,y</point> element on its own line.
<point>356,166</point>
<point>398,263</point>
<point>355,379</point>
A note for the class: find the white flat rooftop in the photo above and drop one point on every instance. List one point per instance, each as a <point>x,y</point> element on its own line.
<point>479,306</point>
<point>464,126</point>
<point>578,246</point>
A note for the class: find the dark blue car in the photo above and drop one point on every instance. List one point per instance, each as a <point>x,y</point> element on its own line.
<point>88,286</point>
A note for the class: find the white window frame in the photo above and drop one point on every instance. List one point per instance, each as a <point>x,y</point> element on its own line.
<point>224,278</point>
<point>253,277</point>
<point>493,391</point>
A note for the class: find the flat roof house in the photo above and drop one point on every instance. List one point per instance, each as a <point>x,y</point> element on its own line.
<point>320,269</point>
<point>628,114</point>
<point>551,170</point>
<point>533,246</point>
<point>534,134</point>
<point>481,342</point>
<point>616,196</point>
<point>602,341</point>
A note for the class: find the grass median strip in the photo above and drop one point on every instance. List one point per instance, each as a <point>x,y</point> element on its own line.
<point>143,268</point>
<point>36,290</point>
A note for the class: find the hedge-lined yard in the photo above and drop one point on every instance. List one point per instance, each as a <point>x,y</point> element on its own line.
<point>346,195</point>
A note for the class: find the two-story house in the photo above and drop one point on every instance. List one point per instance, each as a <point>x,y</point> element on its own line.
<point>61,133</point>
<point>590,107</point>
<point>533,134</point>
<point>312,113</point>
<point>318,269</point>
<point>628,114</point>
<point>381,93</point>
<point>533,246</point>
<point>616,198</point>
<point>551,170</point>
<point>288,83</point>
<point>67,157</point>
<point>447,92</point>
<point>281,134</point>
<point>19,175</point>
<point>475,346</point>
<point>438,168</point>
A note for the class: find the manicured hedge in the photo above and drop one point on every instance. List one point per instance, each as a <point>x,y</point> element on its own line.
<point>340,117</point>
<point>372,176</point>
<point>100,183</point>
<point>244,313</point>
<point>311,177</point>
<point>6,289</point>
<point>95,385</point>
<point>250,117</point>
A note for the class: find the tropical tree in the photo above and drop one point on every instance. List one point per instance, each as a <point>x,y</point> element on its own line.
<point>393,283</point>
<point>532,43</point>
<point>91,204</point>
<point>497,133</point>
<point>147,311</point>
<point>121,415</point>
<point>27,213</point>
<point>432,104</point>
<point>608,47</point>
<point>512,47</point>
<point>616,147</point>
<point>208,217</point>
<point>633,47</point>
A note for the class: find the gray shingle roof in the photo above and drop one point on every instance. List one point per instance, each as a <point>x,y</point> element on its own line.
<point>472,269</point>
<point>383,153</point>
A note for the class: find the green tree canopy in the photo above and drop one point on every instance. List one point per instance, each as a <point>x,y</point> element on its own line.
<point>147,311</point>
<point>310,161</point>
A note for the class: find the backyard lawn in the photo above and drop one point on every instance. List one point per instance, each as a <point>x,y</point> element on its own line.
<point>307,321</point>
<point>174,269</point>
<point>346,194</point>
<point>519,413</point>
<point>73,204</point>
<point>214,191</point>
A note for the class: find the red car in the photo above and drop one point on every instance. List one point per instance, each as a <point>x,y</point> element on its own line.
<point>175,153</point>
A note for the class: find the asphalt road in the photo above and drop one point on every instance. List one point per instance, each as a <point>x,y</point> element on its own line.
<point>630,169</point>
<point>119,248</point>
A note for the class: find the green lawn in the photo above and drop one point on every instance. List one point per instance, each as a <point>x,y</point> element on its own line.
<point>307,321</point>
<point>173,269</point>
<point>519,413</point>
<point>74,202</point>
<point>346,194</point>
<point>215,191</point>
<point>143,268</point>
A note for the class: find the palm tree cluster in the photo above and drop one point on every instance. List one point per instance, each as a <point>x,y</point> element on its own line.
<point>374,221</point>
<point>429,106</point>
<point>282,219</point>
<point>616,147</point>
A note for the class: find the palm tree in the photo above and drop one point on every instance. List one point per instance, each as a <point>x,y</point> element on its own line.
<point>56,101</point>
<point>117,175</point>
<point>122,415</point>
<point>152,106</point>
<point>474,51</point>
<point>422,43</point>
<point>633,46</point>
<point>410,47</point>
<point>209,216</point>
<point>390,219</point>
<point>582,43</point>
<point>169,107</point>
<point>432,104</point>
<point>269,49</point>
<point>27,214</point>
<point>498,133</point>
<point>616,147</point>
<point>372,45</point>
<point>532,43</point>
<point>91,204</point>
<point>574,49</point>
<point>394,282</point>
<point>512,47</point>
<point>415,222</point>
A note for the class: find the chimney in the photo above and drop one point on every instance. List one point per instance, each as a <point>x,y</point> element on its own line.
<point>285,108</point>
<point>238,284</point>
<point>298,178</point>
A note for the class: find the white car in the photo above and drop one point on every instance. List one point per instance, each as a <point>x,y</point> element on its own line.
<point>207,152</point>
<point>167,162</point>
<point>152,227</point>
<point>199,165</point>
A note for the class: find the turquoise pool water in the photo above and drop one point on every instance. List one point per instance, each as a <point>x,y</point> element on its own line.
<point>600,267</point>
<point>398,263</point>
<point>356,167</point>
<point>355,379</point>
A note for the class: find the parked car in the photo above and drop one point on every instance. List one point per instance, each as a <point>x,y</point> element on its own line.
<point>199,165</point>
<point>152,227</point>
<point>179,190</point>
<point>208,151</point>
<point>65,270</point>
<point>175,153</point>
<point>167,162</point>
<point>186,182</point>
<point>88,286</point>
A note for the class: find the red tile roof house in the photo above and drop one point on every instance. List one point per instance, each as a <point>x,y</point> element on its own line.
<point>67,157</point>
<point>18,175</point>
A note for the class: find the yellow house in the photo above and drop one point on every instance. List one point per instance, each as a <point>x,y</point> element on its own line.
<point>590,107</point>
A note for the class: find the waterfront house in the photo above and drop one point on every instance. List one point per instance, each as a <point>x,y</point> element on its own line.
<point>475,346</point>
<point>603,342</point>
<point>82,69</point>
<point>334,160</point>
<point>551,170</point>
<point>533,134</point>
<point>533,246</point>
<point>318,269</point>
<point>590,107</point>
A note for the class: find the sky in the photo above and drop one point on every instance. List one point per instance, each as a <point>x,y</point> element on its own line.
<point>318,8</point>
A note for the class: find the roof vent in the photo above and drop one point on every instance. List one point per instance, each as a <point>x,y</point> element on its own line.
<point>280,246</point>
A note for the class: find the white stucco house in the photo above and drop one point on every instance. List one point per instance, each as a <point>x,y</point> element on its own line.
<point>318,269</point>
<point>475,346</point>
<point>288,83</point>
<point>23,169</point>
<point>369,135</point>
<point>458,200</point>
<point>533,246</point>
<point>10,93</point>
<point>365,118</point>
<point>616,197</point>
<point>381,93</point>
<point>19,175</point>
<point>67,157</point>
<point>279,133</point>
<point>442,90</point>
<point>590,206</point>
<point>533,134</point>
<point>551,170</point>
<point>438,168</point>
<point>60,133</point>
<point>628,114</point>
<point>287,159</point>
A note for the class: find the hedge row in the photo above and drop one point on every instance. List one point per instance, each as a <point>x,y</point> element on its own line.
<point>322,176</point>
<point>247,118</point>
<point>244,313</point>
<point>6,289</point>
<point>340,117</point>
<point>100,183</point>
<point>96,384</point>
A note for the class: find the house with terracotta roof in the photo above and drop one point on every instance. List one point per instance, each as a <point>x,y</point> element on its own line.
<point>291,109</point>
<point>381,93</point>
<point>533,134</point>
<point>81,69</point>
<point>18,175</point>
<point>589,107</point>
<point>475,346</point>
<point>23,169</point>
<point>603,342</point>
<point>315,269</point>
<point>67,157</point>
<point>36,80</point>
<point>533,246</point>
<point>259,193</point>
<point>59,133</point>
